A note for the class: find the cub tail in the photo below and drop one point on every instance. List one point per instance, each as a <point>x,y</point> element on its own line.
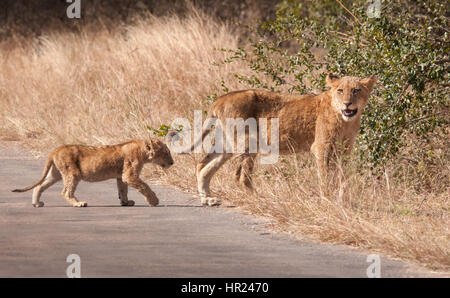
<point>47,167</point>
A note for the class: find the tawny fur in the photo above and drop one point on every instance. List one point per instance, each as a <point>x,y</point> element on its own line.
<point>124,162</point>
<point>306,122</point>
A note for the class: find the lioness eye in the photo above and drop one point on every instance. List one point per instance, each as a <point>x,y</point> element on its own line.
<point>340,91</point>
<point>356,91</point>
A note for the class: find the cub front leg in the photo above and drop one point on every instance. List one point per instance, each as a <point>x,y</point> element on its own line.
<point>143,188</point>
<point>131,177</point>
<point>123,193</point>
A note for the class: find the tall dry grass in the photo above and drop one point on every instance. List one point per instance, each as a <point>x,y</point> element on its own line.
<point>106,87</point>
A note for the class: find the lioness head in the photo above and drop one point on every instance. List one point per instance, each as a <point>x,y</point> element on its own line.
<point>349,95</point>
<point>159,153</point>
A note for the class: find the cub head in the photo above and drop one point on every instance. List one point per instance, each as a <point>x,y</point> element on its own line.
<point>158,153</point>
<point>349,95</point>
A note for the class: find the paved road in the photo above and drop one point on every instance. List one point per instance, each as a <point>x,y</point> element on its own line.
<point>179,238</point>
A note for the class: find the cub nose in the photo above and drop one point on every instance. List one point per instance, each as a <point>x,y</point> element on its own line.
<point>347,104</point>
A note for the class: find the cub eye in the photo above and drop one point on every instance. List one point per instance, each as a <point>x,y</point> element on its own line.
<point>340,91</point>
<point>355,91</point>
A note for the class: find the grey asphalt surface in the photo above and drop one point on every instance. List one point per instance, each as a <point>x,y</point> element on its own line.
<point>179,238</point>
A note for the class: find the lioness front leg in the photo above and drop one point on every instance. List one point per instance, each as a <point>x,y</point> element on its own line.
<point>123,193</point>
<point>321,153</point>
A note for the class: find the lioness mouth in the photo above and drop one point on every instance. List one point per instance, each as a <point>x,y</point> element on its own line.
<point>349,113</point>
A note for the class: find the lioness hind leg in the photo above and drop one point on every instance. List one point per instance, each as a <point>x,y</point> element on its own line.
<point>205,170</point>
<point>123,193</point>
<point>53,176</point>
<point>244,171</point>
<point>70,184</point>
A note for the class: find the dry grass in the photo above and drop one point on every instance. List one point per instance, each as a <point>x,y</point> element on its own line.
<point>106,87</point>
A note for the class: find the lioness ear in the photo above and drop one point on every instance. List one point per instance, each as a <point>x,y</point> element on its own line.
<point>369,82</point>
<point>331,80</point>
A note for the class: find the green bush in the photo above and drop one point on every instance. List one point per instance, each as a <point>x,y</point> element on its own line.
<point>407,47</point>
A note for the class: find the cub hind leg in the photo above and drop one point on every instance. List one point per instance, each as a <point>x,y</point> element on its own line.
<point>52,177</point>
<point>70,184</point>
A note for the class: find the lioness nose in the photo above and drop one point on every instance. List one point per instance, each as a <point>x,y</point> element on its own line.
<point>347,104</point>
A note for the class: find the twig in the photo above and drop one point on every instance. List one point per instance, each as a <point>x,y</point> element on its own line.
<point>417,119</point>
<point>441,61</point>
<point>401,98</point>
<point>424,117</point>
<point>343,6</point>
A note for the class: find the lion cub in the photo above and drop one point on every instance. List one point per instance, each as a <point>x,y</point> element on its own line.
<point>124,162</point>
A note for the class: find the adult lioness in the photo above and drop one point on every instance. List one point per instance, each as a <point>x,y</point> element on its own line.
<point>306,122</point>
<point>124,162</point>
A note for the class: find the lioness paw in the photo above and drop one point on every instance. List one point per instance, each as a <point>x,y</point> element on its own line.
<point>210,201</point>
<point>204,200</point>
<point>214,202</point>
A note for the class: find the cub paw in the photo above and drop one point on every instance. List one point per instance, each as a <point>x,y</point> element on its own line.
<point>152,201</point>
<point>127,203</point>
<point>80,204</point>
<point>38,205</point>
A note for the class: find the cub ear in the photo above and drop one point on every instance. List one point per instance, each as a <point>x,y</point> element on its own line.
<point>331,80</point>
<point>150,146</point>
<point>369,82</point>
<point>155,144</point>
